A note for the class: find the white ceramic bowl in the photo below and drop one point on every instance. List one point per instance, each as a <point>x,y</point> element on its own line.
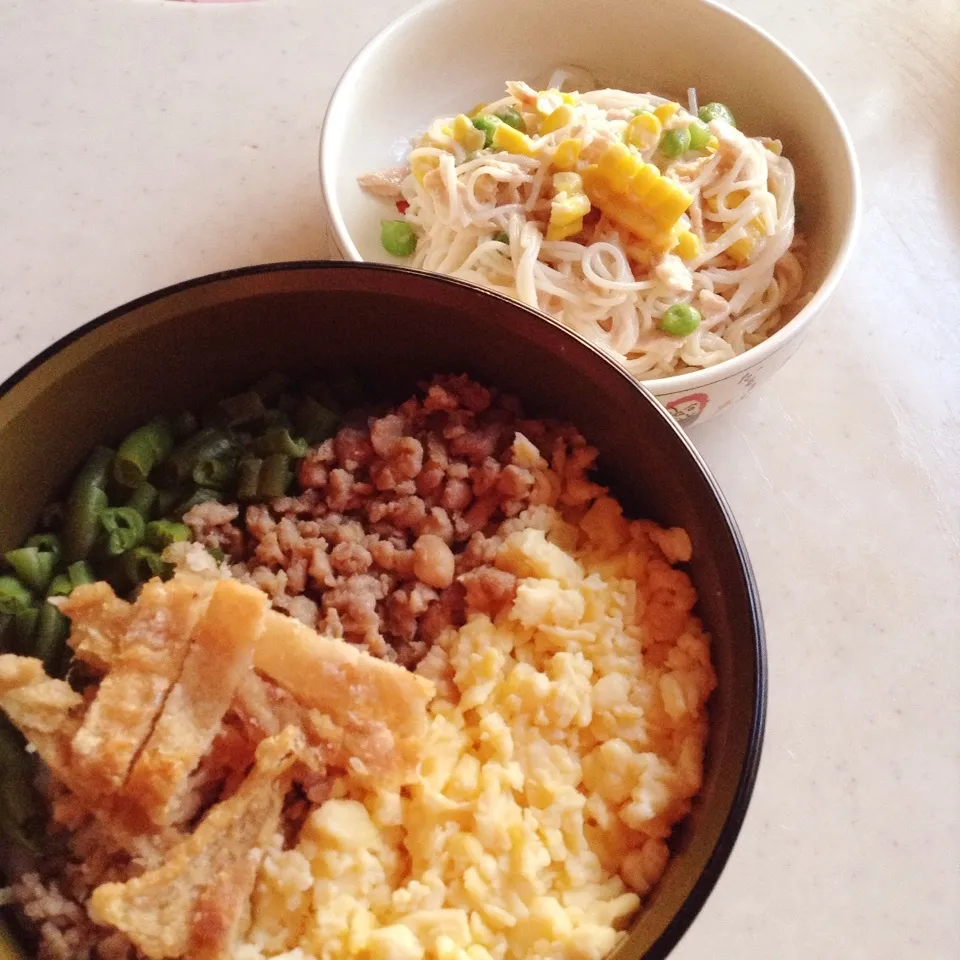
<point>444,55</point>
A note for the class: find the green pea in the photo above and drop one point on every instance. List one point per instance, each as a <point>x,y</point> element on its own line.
<point>699,134</point>
<point>680,320</point>
<point>397,237</point>
<point>675,143</point>
<point>512,119</point>
<point>501,237</point>
<point>716,111</point>
<point>488,125</point>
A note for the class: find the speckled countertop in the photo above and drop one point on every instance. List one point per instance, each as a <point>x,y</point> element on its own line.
<point>144,142</point>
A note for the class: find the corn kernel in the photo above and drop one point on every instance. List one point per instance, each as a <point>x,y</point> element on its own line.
<point>421,166</point>
<point>567,154</point>
<point>647,205</point>
<point>741,250</point>
<point>466,134</point>
<point>775,147</point>
<point>557,119</point>
<point>643,131</point>
<point>547,98</point>
<point>567,183</point>
<point>734,199</point>
<point>513,141</point>
<point>688,246</point>
<point>562,232</point>
<point>565,210</point>
<point>618,166</point>
<point>666,111</point>
<point>712,144</point>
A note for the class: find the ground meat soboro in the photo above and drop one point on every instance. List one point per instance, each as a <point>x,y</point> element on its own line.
<point>395,516</point>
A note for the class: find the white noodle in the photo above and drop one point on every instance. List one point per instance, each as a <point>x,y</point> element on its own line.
<point>741,200</point>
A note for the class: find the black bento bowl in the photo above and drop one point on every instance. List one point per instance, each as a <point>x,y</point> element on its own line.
<point>199,340</point>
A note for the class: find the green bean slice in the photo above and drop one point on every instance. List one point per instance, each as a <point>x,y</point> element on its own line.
<point>50,640</point>
<point>19,804</point>
<point>315,422</point>
<point>48,542</point>
<point>14,596</point>
<point>248,478</point>
<point>142,564</point>
<point>209,444</point>
<point>124,528</point>
<point>242,408</point>
<point>81,572</point>
<point>200,495</point>
<point>161,533</point>
<point>86,502</point>
<point>141,451</point>
<point>24,627</point>
<point>60,586</point>
<point>32,565</point>
<point>214,473</point>
<point>279,440</point>
<point>143,499</point>
<point>275,476</point>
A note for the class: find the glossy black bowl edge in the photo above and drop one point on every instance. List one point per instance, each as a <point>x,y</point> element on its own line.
<point>702,889</point>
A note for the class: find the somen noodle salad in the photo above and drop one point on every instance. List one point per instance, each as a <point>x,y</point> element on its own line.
<point>661,233</point>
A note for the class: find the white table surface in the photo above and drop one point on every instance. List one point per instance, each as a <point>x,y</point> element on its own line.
<point>144,142</point>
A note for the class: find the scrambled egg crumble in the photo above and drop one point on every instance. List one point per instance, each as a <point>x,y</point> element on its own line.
<point>565,740</point>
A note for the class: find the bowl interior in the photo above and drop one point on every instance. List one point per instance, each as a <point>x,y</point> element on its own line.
<point>200,340</point>
<point>444,57</point>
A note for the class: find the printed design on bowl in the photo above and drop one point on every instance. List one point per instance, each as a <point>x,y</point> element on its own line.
<point>687,410</point>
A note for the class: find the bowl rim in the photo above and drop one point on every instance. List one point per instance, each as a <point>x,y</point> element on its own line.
<point>661,386</point>
<point>746,780</point>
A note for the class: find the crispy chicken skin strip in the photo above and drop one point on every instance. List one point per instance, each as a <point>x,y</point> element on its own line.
<point>220,656</point>
<point>222,912</point>
<point>198,900</point>
<point>372,710</point>
<point>131,695</point>
<point>100,623</point>
<point>46,711</point>
<point>265,709</point>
